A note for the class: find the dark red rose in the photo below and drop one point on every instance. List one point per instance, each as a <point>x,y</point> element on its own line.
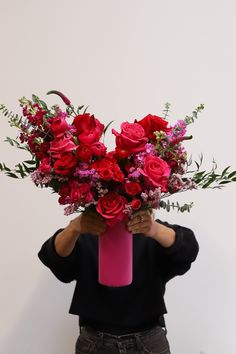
<point>152,124</point>
<point>133,188</point>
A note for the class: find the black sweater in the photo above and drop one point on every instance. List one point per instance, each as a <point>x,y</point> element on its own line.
<point>126,309</point>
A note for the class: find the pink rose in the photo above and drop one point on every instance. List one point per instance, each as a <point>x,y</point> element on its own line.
<point>156,172</point>
<point>132,137</point>
<point>111,207</point>
<point>60,146</point>
<point>59,125</point>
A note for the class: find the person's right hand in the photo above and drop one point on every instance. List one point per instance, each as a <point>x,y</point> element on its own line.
<point>89,222</point>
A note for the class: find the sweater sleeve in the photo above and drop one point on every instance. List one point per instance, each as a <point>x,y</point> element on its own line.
<point>64,268</point>
<point>177,259</point>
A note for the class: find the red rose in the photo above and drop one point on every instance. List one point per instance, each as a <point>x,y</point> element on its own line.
<point>132,137</point>
<point>156,172</point>
<point>152,124</point>
<point>118,175</point>
<point>122,153</point>
<point>59,125</point>
<point>136,204</point>
<point>102,163</point>
<point>89,129</point>
<point>98,149</point>
<point>65,164</point>
<point>84,153</point>
<point>60,146</point>
<point>106,174</point>
<point>133,188</point>
<point>111,206</point>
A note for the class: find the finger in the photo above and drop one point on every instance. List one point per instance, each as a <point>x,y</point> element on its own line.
<point>139,219</point>
<point>139,228</point>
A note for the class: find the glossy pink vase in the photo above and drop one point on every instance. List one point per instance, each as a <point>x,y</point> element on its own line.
<point>115,257</point>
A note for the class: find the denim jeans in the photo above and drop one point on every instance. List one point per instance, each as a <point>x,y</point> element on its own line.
<point>152,341</point>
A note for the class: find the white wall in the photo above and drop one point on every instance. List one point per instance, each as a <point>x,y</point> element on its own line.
<point>125,59</point>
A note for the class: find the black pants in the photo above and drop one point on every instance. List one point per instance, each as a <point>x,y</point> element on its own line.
<point>152,341</point>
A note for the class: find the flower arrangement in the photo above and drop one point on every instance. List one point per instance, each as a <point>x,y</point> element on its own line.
<point>148,164</point>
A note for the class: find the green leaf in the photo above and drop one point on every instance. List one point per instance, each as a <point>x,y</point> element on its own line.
<point>85,110</point>
<point>43,104</point>
<point>234,179</point>
<point>30,162</point>
<point>232,174</point>
<point>224,171</point>
<point>208,183</point>
<point>27,169</point>
<point>21,170</point>
<point>107,126</point>
<point>224,182</point>
<point>6,168</point>
<point>10,174</point>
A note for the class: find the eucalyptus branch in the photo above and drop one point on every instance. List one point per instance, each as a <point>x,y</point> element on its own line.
<point>190,119</point>
<point>182,208</point>
<point>14,119</point>
<point>166,110</point>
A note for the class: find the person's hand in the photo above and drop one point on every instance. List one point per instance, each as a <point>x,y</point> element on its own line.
<point>142,222</point>
<point>89,222</point>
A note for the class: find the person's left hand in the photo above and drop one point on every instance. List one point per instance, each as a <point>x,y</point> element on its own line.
<point>142,222</point>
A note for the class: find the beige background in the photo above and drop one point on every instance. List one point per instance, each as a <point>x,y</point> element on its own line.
<point>125,59</point>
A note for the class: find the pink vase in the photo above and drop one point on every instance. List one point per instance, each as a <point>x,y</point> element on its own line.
<point>115,265</point>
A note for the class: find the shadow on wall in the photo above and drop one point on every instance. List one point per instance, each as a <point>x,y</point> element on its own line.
<point>44,325</point>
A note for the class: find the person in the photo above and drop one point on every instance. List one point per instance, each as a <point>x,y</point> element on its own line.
<point>128,319</point>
